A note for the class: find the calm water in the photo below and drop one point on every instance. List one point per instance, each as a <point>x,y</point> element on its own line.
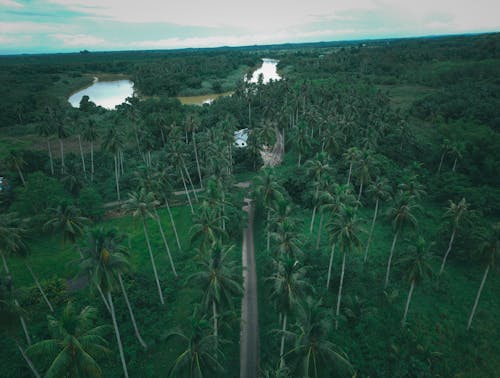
<point>107,94</point>
<point>268,71</point>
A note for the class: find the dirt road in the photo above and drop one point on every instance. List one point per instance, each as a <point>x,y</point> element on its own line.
<point>249,337</point>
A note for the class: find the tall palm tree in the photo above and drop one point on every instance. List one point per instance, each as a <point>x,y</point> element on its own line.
<point>45,129</point>
<point>489,252</point>
<point>351,156</point>
<point>345,229</point>
<point>364,168</point>
<point>75,344</point>
<point>380,190</point>
<point>455,214</point>
<point>268,189</point>
<point>313,352</point>
<point>417,267</point>
<point>300,140</point>
<point>114,142</point>
<point>90,135</point>
<point>199,356</point>
<point>206,227</point>
<point>288,288</point>
<point>142,205</point>
<point>320,170</point>
<point>67,219</point>
<point>177,159</point>
<point>62,133</point>
<point>402,216</point>
<point>14,160</point>
<point>192,124</point>
<point>218,280</point>
<point>106,260</point>
<point>446,148</point>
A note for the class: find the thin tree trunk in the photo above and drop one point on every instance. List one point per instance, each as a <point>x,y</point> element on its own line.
<point>116,178</point>
<point>122,170</point>
<point>92,161</point>
<point>50,157</point>
<point>332,253</point>
<point>37,283</point>
<point>167,248</point>
<point>350,172</point>
<point>447,251</point>
<point>360,190</point>
<point>485,275</point>
<point>61,145</point>
<point>223,211</point>
<point>191,183</point>
<point>312,220</point>
<point>152,260</point>
<point>20,174</point>
<point>117,334</point>
<point>371,230</point>
<point>216,327</point>
<point>268,227</point>
<point>103,297</point>
<point>300,157</point>
<point>318,237</point>
<point>186,189</point>
<point>441,162</point>
<point>173,224</point>
<point>28,361</point>
<point>81,154</point>
<point>390,259</point>
<point>403,322</point>
<point>282,347</point>
<point>132,317</point>
<point>23,324</point>
<point>454,165</point>
<point>339,296</point>
<point>197,160</point>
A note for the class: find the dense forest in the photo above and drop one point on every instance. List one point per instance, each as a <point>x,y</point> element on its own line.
<point>373,169</point>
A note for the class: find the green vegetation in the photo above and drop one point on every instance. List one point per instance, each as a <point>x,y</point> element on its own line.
<point>376,238</point>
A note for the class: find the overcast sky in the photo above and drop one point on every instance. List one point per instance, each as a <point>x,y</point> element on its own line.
<point>34,26</point>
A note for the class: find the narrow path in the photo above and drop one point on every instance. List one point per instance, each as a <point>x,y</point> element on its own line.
<point>249,336</point>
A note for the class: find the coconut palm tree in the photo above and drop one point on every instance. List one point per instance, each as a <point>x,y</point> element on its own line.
<point>300,140</point>
<point>114,142</point>
<point>346,231</point>
<point>268,189</point>
<point>455,214</point>
<point>457,149</point>
<point>218,278</point>
<point>192,124</point>
<point>313,352</point>
<point>106,260</point>
<point>206,227</point>
<point>417,268</point>
<point>176,158</point>
<point>45,129</point>
<point>364,168</point>
<point>142,204</point>
<point>446,148</point>
<point>288,288</point>
<point>402,216</point>
<point>380,190</point>
<point>489,252</point>
<point>351,156</point>
<point>91,135</point>
<point>75,344</point>
<point>199,356</point>
<point>14,160</point>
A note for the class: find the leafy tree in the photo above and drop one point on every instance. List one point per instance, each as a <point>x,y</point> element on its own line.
<point>75,344</point>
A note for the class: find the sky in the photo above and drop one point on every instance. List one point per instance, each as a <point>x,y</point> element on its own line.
<point>44,26</point>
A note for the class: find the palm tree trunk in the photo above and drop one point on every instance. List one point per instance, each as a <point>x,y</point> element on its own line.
<point>61,145</point>
<point>371,230</point>
<point>121,162</point>
<point>339,296</point>
<point>191,183</point>
<point>360,189</point>
<point>216,327</point>
<point>50,157</point>
<point>37,283</point>
<point>390,259</point>
<point>103,297</point>
<point>403,322</point>
<point>91,161</point>
<point>28,361</point>
<point>197,160</point>
<point>116,178</point>
<point>223,210</point>
<point>173,224</point>
<point>20,174</point>
<point>485,275</point>
<point>332,253</point>
<point>132,317</point>
<point>441,162</point>
<point>282,347</point>
<point>350,172</point>
<point>81,154</point>
<point>447,251</point>
<point>454,165</point>
<point>167,248</point>
<point>300,157</point>
<point>117,334</point>
<point>186,190</point>
<point>318,237</point>
<point>312,220</point>
<point>268,226</point>
<point>152,260</point>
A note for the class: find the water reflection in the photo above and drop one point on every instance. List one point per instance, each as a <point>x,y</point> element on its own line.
<point>107,94</point>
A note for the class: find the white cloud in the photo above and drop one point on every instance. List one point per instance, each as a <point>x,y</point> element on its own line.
<point>26,27</point>
<point>79,40</point>
<point>11,4</point>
